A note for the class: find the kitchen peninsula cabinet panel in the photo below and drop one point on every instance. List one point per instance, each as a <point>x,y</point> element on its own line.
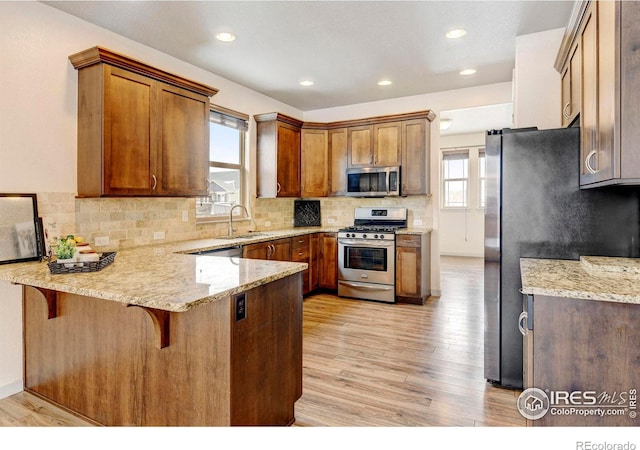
<point>580,345</point>
<point>315,163</point>
<point>338,161</point>
<point>141,131</point>
<point>278,155</point>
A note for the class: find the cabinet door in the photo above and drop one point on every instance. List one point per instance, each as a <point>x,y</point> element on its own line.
<point>255,251</point>
<point>328,274</point>
<point>589,101</point>
<point>314,258</point>
<point>387,141</point>
<point>338,161</point>
<point>130,131</point>
<point>408,259</point>
<point>607,96</point>
<point>360,146</point>
<point>315,163</point>
<point>288,160</point>
<point>566,95</point>
<point>414,172</point>
<point>575,66</point>
<point>280,250</point>
<point>182,160</point>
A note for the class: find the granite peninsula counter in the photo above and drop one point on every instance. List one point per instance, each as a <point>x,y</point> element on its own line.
<point>162,337</point>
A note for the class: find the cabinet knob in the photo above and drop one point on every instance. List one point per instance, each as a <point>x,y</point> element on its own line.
<point>565,110</point>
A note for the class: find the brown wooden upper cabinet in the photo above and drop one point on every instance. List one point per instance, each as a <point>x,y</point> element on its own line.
<point>374,145</point>
<point>278,155</point>
<point>602,41</point>
<point>141,131</point>
<point>326,150</point>
<point>315,163</point>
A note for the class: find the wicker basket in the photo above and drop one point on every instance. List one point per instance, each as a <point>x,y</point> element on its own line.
<point>79,267</point>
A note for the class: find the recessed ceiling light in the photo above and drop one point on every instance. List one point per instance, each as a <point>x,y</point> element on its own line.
<point>226,37</point>
<point>384,83</point>
<point>306,83</point>
<point>456,33</point>
<point>467,72</point>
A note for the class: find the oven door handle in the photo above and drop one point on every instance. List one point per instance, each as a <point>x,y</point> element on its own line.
<point>367,287</point>
<point>363,243</point>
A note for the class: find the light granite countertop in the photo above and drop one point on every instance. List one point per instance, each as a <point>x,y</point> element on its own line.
<point>591,278</point>
<point>171,276</point>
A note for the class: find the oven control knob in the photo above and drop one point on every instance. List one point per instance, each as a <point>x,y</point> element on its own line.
<point>375,236</point>
<point>348,235</point>
<point>382,236</point>
<point>364,236</point>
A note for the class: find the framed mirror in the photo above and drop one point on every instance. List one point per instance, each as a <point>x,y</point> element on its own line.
<point>21,236</point>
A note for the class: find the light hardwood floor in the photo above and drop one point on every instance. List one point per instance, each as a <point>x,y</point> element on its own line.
<point>375,364</point>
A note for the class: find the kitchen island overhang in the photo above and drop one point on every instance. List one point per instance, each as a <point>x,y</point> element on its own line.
<point>175,340</point>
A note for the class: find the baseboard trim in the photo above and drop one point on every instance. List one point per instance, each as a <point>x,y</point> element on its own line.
<point>464,255</point>
<point>11,388</point>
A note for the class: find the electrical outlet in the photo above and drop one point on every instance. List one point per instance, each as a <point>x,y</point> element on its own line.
<point>267,223</point>
<point>158,235</point>
<point>417,222</point>
<point>331,220</point>
<point>185,216</point>
<point>101,241</point>
<point>241,306</point>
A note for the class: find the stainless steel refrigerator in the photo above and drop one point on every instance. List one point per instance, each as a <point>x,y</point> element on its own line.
<point>535,208</point>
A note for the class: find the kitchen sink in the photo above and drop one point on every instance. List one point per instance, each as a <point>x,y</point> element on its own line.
<point>249,235</point>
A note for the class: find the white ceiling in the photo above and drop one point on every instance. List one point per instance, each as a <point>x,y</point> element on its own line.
<point>344,47</point>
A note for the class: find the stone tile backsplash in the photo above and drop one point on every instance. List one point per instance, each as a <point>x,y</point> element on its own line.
<point>132,222</point>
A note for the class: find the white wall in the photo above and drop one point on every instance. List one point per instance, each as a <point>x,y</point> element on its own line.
<point>537,91</point>
<point>462,230</point>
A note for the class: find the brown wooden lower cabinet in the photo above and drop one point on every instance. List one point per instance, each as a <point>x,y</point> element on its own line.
<point>585,355</point>
<point>101,359</point>
<point>328,260</point>
<point>413,271</point>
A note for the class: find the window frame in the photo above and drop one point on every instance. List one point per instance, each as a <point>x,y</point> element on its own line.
<point>482,157</point>
<point>445,180</point>
<point>243,121</point>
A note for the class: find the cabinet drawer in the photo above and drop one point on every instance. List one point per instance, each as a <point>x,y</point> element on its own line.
<point>408,240</point>
<point>300,254</point>
<point>300,241</point>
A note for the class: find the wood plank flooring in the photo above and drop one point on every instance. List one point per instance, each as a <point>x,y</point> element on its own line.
<point>375,364</point>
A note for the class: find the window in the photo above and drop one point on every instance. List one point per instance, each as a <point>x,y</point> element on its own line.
<point>227,140</point>
<point>482,176</point>
<point>455,166</point>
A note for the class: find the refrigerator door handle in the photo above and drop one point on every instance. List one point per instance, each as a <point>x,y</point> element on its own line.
<point>521,320</point>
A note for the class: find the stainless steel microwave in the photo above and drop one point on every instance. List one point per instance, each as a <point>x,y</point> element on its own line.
<point>373,181</point>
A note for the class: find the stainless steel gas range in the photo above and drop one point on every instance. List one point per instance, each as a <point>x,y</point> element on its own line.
<point>367,252</point>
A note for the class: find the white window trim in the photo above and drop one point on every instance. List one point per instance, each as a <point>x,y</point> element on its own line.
<point>239,213</point>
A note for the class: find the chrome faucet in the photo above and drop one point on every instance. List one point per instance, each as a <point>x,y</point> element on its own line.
<point>231,229</point>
